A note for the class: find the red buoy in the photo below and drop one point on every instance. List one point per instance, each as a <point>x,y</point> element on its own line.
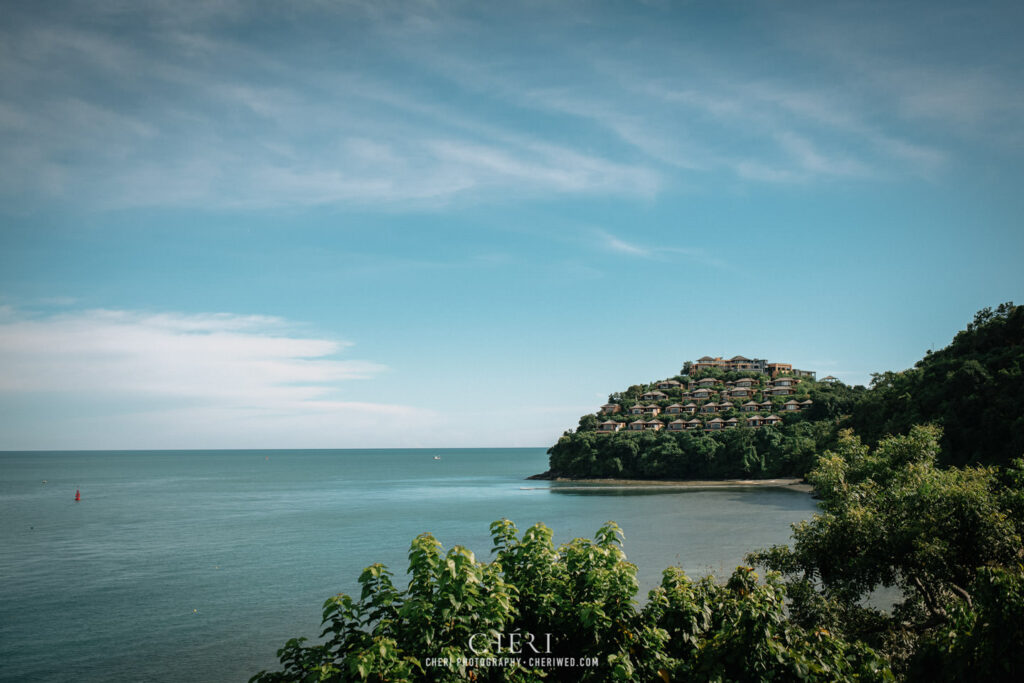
<point>78,495</point>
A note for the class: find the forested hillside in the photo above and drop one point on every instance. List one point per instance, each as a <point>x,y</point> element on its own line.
<point>972,389</point>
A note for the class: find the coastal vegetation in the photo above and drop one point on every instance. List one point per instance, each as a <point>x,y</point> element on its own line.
<point>973,389</point>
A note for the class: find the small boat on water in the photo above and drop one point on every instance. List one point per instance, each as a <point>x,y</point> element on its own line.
<point>78,495</point>
<point>437,457</point>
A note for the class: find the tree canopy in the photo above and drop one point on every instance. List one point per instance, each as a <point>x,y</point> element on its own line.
<point>950,540</point>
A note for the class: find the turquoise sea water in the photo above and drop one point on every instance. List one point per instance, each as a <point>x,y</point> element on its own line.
<point>198,565</point>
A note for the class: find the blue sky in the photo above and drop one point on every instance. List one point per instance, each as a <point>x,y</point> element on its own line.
<point>390,224</point>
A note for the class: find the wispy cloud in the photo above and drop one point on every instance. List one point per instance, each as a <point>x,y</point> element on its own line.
<point>191,104</point>
<point>615,244</point>
<point>195,117</point>
<point>660,252</point>
<point>151,369</point>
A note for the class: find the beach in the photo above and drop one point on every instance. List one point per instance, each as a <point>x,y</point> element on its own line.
<point>792,484</point>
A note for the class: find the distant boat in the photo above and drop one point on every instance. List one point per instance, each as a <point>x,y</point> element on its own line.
<point>437,457</point>
<point>78,495</point>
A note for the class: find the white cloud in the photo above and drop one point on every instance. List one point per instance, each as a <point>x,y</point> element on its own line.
<point>660,252</point>
<point>615,244</point>
<point>185,380</point>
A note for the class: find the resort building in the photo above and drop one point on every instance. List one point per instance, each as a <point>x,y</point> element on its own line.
<point>744,364</point>
<point>610,408</point>
<point>677,425</point>
<point>653,396</point>
<point>669,384</point>
<point>609,426</point>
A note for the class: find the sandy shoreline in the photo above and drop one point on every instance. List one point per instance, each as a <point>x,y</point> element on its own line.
<point>792,484</point>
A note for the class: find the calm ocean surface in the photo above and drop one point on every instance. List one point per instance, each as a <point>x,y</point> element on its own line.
<point>198,565</point>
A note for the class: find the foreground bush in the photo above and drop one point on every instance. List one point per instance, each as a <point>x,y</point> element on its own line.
<point>563,614</point>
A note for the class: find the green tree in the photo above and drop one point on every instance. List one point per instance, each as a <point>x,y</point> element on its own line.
<point>890,517</point>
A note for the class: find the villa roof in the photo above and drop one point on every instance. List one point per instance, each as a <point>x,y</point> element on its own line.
<point>739,358</point>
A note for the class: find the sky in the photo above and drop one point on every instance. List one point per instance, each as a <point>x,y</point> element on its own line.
<point>235,224</point>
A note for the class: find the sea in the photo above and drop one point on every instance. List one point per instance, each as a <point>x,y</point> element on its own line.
<point>199,565</point>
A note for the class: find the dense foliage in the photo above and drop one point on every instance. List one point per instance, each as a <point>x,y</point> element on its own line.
<point>787,450</point>
<point>949,539</point>
<point>583,594</point>
<point>973,389</point>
